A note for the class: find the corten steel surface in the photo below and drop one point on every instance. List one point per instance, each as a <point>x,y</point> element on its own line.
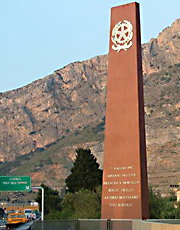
<point>125,188</point>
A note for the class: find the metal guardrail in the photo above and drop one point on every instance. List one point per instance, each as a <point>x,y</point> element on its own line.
<point>82,224</point>
<point>97,224</point>
<point>55,225</point>
<point>164,221</point>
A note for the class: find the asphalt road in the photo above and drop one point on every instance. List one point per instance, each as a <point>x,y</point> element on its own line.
<point>22,227</point>
<point>2,225</point>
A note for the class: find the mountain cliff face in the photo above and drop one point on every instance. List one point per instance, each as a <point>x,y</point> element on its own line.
<point>40,113</point>
<point>68,106</point>
<point>163,51</point>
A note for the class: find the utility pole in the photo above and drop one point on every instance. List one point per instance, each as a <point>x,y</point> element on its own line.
<point>42,201</point>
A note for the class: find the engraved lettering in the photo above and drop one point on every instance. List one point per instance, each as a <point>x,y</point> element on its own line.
<point>113,190</point>
<point>122,175</point>
<point>113,175</point>
<point>127,189</point>
<point>112,204</point>
<point>129,175</point>
<point>111,197</point>
<point>125,204</point>
<point>130,167</point>
<point>131,182</point>
<point>111,182</point>
<point>120,168</point>
<point>128,197</point>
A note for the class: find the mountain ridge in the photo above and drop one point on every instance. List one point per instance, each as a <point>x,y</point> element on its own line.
<point>70,103</point>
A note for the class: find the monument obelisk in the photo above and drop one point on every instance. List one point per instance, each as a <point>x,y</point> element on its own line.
<point>125,187</point>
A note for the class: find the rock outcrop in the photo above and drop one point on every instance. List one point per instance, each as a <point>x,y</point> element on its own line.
<point>44,111</point>
<point>163,51</point>
<point>72,99</point>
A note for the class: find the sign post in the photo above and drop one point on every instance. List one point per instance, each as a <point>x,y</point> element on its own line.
<point>19,183</point>
<point>15,183</point>
<point>42,201</point>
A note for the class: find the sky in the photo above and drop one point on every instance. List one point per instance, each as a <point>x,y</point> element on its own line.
<point>38,37</point>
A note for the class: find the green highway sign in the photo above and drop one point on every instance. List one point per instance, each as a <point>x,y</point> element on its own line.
<point>15,183</point>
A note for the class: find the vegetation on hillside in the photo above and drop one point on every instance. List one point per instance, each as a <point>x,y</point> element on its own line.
<point>43,161</point>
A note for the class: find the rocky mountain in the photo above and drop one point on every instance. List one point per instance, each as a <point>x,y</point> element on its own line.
<point>42,124</point>
<point>163,51</point>
<point>39,114</point>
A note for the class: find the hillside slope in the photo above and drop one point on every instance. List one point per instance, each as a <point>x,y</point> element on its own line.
<point>46,110</point>
<point>42,123</point>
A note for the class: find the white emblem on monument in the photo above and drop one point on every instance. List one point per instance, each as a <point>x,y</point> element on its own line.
<point>122,35</point>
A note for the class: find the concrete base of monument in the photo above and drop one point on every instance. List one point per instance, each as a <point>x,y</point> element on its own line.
<point>149,224</point>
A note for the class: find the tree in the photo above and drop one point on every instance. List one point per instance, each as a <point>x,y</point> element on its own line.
<point>52,200</point>
<point>162,208</point>
<point>84,204</point>
<point>155,204</point>
<point>85,173</point>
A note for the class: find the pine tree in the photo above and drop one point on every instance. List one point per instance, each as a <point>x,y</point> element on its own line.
<point>85,173</point>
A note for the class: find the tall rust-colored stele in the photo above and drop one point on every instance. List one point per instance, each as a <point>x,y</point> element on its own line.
<point>125,187</point>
